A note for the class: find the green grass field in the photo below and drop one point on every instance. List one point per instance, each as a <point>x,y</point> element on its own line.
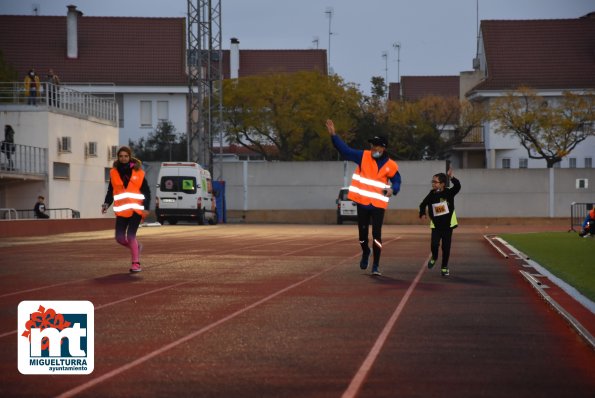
<point>564,254</point>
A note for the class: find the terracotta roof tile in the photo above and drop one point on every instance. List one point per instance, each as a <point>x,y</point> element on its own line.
<point>417,87</point>
<point>121,50</point>
<point>260,62</point>
<point>542,54</point>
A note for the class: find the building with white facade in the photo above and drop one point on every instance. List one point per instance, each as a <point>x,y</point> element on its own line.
<point>547,56</point>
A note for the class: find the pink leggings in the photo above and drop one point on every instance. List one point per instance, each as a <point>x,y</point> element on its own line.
<point>126,228</point>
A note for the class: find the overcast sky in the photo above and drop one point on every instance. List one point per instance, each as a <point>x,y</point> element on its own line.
<point>436,37</point>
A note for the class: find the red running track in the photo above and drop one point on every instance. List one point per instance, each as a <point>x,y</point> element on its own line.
<point>269,311</point>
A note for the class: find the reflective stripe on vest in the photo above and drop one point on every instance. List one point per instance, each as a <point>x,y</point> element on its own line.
<point>368,183</point>
<point>128,200</point>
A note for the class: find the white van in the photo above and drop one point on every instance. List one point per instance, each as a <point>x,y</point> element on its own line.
<point>185,192</point>
<point>346,208</point>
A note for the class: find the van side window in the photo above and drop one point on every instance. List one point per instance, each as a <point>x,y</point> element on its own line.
<point>178,184</point>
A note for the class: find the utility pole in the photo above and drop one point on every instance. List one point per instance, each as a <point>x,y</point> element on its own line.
<point>205,80</point>
<point>329,14</point>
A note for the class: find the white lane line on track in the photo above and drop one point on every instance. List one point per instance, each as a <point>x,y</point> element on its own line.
<point>332,243</point>
<point>82,280</point>
<point>122,300</point>
<point>111,303</point>
<point>82,387</point>
<point>365,367</point>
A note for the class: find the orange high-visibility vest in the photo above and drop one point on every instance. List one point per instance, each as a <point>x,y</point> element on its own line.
<point>128,200</point>
<point>368,183</point>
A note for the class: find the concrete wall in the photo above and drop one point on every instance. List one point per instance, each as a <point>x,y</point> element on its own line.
<point>273,186</point>
<point>86,187</point>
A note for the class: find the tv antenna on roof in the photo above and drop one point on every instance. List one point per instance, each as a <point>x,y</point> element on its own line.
<point>329,12</point>
<point>36,9</point>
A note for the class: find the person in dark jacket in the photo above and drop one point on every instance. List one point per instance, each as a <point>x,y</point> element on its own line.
<point>588,229</point>
<point>39,208</point>
<point>129,191</point>
<point>440,203</point>
<point>375,180</point>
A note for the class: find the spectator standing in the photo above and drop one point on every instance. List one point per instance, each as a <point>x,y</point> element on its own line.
<point>8,147</point>
<point>32,87</point>
<point>53,87</point>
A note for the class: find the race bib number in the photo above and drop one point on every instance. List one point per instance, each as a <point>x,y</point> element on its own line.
<point>440,209</point>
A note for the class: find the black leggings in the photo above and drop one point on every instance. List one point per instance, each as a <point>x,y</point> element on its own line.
<point>375,215</point>
<point>446,236</point>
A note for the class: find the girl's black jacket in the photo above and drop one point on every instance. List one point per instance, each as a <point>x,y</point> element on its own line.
<point>447,195</point>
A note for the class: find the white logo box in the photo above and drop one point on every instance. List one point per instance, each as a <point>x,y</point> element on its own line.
<point>43,324</point>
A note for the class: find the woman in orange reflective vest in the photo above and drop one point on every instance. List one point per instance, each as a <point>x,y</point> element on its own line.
<point>374,181</point>
<point>129,192</point>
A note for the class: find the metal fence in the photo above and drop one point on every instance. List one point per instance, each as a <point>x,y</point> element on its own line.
<point>23,159</point>
<point>62,99</point>
<point>23,214</point>
<point>578,213</point>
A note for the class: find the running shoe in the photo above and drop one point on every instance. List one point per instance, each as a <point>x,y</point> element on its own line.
<point>363,264</point>
<point>431,263</point>
<point>445,271</point>
<point>375,270</point>
<point>135,267</point>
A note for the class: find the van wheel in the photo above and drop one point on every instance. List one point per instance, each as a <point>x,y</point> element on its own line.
<point>201,217</point>
<point>339,220</point>
<point>172,221</point>
<point>161,221</point>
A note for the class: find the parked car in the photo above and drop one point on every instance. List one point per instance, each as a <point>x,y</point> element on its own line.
<point>185,192</point>
<point>346,208</point>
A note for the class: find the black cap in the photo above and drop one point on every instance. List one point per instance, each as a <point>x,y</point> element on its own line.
<point>378,140</point>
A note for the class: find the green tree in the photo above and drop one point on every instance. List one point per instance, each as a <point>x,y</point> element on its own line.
<point>548,129</point>
<point>378,86</point>
<point>430,127</point>
<point>163,144</point>
<point>281,116</point>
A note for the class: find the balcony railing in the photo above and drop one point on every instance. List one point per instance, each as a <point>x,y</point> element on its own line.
<point>475,136</point>
<point>62,99</point>
<point>23,159</point>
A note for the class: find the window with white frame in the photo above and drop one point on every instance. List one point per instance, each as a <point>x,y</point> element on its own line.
<point>572,163</point>
<point>506,163</point>
<point>588,163</point>
<point>523,163</point>
<point>146,114</point>
<point>163,110</point>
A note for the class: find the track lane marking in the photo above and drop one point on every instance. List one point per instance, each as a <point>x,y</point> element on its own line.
<point>362,373</point>
<point>82,387</point>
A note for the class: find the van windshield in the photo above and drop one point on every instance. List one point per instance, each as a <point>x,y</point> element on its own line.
<point>343,194</point>
<point>178,184</point>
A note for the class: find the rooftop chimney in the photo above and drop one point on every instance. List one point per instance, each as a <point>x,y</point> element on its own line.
<point>234,58</point>
<point>72,50</point>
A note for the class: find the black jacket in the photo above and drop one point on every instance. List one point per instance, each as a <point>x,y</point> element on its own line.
<point>448,196</point>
